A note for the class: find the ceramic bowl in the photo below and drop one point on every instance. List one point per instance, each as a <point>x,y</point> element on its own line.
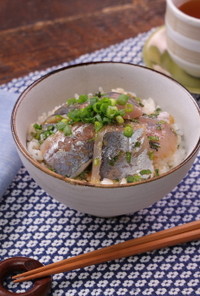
<point>54,88</point>
<point>183,42</point>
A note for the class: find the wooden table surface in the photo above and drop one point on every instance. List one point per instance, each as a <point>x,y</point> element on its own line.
<point>36,34</point>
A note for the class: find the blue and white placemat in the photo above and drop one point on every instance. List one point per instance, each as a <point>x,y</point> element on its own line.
<point>34,224</point>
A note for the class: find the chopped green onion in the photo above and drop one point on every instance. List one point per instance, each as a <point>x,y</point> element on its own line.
<point>106,100</point>
<point>158,110</point>
<point>93,100</point>
<point>65,120</point>
<point>98,125</point>
<point>84,114</point>
<point>97,107</point>
<point>121,112</point>
<point>129,108</point>
<point>50,127</point>
<point>137,144</point>
<point>111,111</point>
<point>104,107</point>
<point>145,172</point>
<point>155,113</point>
<point>159,124</point>
<point>153,138</point>
<point>154,142</point>
<point>151,155</point>
<point>74,115</point>
<point>113,102</point>
<point>122,99</point>
<point>60,125</point>
<point>45,135</point>
<point>67,130</point>
<point>113,160</point>
<point>128,131</point>
<point>37,126</point>
<point>97,161</point>
<point>156,172</point>
<point>154,145</point>
<point>82,99</point>
<point>106,120</point>
<point>100,110</point>
<point>98,117</point>
<point>128,157</point>
<point>71,101</point>
<point>64,127</point>
<point>133,179</point>
<point>119,119</point>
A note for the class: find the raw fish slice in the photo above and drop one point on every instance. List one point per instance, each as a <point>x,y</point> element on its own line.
<point>65,108</point>
<point>137,110</point>
<point>63,111</point>
<point>117,156</point>
<point>167,142</point>
<point>69,155</point>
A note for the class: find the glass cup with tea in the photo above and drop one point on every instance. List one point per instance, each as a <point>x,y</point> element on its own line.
<point>182,22</point>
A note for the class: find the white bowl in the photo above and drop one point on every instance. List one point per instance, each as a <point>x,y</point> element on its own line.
<point>182,34</point>
<point>54,88</point>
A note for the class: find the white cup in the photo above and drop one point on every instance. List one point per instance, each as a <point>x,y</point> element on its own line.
<point>183,37</point>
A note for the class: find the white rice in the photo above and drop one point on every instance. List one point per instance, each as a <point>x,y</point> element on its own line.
<point>33,147</point>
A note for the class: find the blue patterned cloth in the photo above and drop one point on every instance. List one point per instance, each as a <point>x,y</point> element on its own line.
<point>34,224</point>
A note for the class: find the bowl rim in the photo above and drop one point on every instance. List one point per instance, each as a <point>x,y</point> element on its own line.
<point>71,181</point>
<point>183,16</point>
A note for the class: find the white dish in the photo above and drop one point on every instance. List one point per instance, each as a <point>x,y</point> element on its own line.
<point>156,56</point>
<point>53,89</point>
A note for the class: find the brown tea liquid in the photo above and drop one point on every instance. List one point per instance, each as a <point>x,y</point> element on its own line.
<point>191,8</point>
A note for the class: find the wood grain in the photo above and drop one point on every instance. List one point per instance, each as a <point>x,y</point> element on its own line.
<point>165,238</point>
<point>37,34</point>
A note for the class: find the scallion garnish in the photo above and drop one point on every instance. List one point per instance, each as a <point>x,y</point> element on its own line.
<point>137,144</point>
<point>97,161</point>
<point>71,101</point>
<point>98,125</point>
<point>122,99</point>
<point>159,124</point>
<point>60,125</point>
<point>129,108</point>
<point>133,179</point>
<point>82,99</point>
<point>153,138</point>
<point>119,119</point>
<point>155,113</point>
<point>37,126</point>
<point>151,155</point>
<point>67,130</point>
<point>154,145</point>
<point>128,157</point>
<point>102,110</point>
<point>99,110</point>
<point>145,172</point>
<point>111,111</point>
<point>128,131</point>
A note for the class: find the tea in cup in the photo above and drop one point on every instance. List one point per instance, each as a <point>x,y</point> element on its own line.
<point>182,22</point>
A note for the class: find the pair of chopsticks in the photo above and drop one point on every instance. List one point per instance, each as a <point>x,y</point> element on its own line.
<point>165,238</point>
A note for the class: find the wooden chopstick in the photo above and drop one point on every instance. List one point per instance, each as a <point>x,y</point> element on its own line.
<point>165,238</point>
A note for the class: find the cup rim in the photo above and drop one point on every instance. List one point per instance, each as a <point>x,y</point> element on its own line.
<point>183,16</point>
<point>82,183</point>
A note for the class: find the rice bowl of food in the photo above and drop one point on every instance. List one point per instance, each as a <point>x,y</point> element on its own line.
<point>106,138</point>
